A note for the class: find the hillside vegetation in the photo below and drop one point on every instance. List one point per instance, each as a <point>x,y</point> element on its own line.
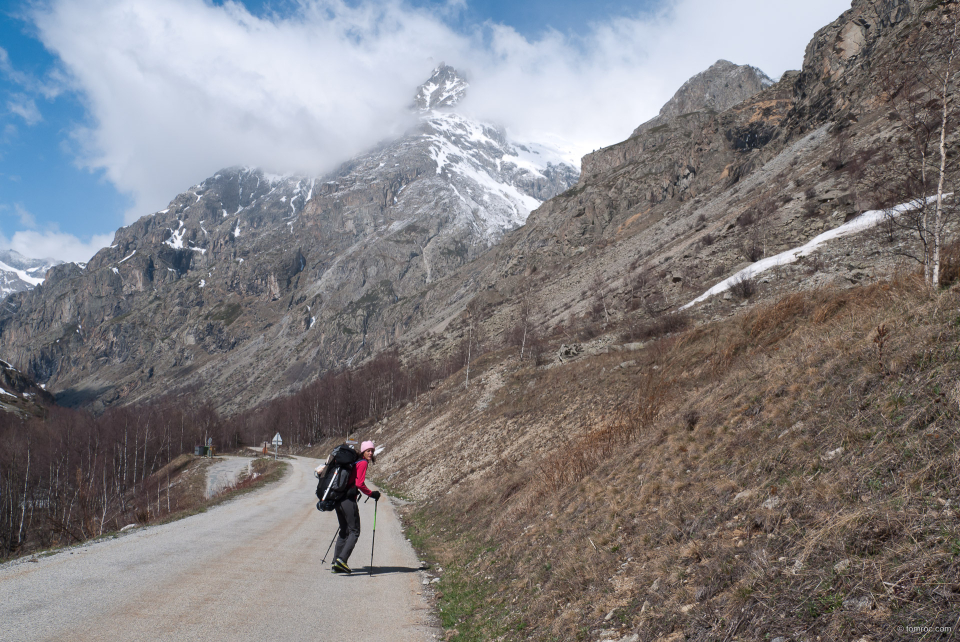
<point>788,472</point>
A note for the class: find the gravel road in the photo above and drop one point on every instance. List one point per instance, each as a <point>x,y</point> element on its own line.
<point>224,472</point>
<point>248,569</point>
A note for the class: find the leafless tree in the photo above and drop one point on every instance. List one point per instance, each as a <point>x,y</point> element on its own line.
<point>599,289</point>
<point>922,95</point>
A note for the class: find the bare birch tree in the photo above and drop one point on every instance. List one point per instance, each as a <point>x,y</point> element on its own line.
<point>923,98</point>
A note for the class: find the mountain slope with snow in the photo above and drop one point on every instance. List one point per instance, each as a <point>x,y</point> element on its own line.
<point>249,274</point>
<point>19,273</point>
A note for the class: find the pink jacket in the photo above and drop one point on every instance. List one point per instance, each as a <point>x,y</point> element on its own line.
<point>359,477</point>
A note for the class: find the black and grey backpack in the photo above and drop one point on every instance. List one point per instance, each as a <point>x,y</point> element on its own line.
<point>334,482</point>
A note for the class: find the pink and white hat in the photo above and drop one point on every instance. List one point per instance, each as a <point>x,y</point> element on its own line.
<point>365,446</point>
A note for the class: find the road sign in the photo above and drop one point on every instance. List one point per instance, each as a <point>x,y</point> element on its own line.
<point>277,440</point>
<point>209,441</point>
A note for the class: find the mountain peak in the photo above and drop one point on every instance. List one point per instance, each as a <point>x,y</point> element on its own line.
<point>445,88</point>
<point>717,88</point>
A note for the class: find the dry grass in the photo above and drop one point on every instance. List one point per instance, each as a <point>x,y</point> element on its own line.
<point>776,478</point>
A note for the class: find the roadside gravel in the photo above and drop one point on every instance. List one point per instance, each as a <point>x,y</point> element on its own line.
<point>223,472</point>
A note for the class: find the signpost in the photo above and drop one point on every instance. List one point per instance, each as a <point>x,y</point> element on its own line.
<point>277,442</point>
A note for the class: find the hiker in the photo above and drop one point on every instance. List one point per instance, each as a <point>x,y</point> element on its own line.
<point>348,513</point>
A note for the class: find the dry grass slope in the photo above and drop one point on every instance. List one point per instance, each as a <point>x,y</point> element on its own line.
<point>792,472</point>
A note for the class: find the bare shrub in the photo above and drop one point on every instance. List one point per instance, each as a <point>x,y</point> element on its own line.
<point>654,302</point>
<point>646,330</point>
<point>743,287</point>
<point>950,264</point>
<point>814,263</point>
<point>581,458</point>
<point>752,249</point>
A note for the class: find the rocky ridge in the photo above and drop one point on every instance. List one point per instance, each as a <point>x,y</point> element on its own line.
<point>659,218</point>
<point>20,395</point>
<point>716,89</point>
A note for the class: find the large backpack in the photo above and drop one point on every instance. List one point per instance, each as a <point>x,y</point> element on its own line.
<point>334,483</point>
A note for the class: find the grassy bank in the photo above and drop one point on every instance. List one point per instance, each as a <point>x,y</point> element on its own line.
<point>790,472</point>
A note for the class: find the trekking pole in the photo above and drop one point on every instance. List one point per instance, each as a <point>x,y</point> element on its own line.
<point>374,540</point>
<point>324,560</point>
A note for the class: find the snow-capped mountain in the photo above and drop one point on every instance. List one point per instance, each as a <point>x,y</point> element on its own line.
<point>445,88</point>
<point>19,273</point>
<point>293,274</point>
<point>497,182</point>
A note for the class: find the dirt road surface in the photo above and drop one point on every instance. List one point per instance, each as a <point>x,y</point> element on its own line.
<point>248,569</point>
<point>224,472</point>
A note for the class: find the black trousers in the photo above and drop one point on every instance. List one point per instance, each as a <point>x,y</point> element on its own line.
<point>348,514</point>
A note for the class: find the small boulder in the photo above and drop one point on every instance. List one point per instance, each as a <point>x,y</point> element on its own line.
<point>864,603</point>
<point>772,503</point>
<point>833,454</point>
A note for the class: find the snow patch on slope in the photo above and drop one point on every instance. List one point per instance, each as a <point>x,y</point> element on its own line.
<point>863,222</point>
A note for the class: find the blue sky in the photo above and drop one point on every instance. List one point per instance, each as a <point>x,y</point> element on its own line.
<point>109,108</point>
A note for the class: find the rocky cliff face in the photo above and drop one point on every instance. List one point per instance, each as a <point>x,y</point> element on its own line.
<point>714,90</point>
<point>250,283</point>
<point>20,395</point>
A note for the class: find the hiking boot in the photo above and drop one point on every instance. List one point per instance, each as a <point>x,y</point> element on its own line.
<point>335,568</point>
<point>342,566</point>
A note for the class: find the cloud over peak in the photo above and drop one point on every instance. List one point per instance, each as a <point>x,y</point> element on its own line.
<point>176,89</point>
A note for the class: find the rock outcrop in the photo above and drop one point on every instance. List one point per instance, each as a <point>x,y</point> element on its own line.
<point>716,89</point>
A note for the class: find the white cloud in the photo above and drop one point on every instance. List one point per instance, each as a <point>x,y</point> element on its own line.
<point>27,219</point>
<point>25,107</point>
<point>50,87</point>
<point>53,244</point>
<point>177,89</point>
<point>49,243</point>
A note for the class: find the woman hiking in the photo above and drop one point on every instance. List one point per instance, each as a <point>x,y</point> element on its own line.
<point>348,513</point>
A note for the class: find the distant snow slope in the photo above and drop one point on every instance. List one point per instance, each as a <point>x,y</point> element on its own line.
<point>492,177</point>
<point>18,273</point>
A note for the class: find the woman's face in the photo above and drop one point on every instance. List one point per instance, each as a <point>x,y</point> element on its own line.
<point>368,454</point>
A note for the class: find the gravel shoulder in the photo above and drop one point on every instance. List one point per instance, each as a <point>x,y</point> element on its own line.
<point>223,472</point>
<point>248,569</point>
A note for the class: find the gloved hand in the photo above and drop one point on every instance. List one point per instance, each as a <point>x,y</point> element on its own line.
<point>376,495</point>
